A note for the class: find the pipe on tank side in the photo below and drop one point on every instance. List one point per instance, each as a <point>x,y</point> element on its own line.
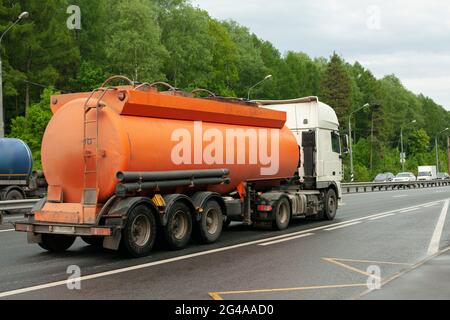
<point>123,188</point>
<point>125,177</point>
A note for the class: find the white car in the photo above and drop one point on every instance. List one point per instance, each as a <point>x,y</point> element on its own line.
<point>405,177</point>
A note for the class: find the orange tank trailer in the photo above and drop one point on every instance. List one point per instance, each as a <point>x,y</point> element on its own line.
<point>136,133</point>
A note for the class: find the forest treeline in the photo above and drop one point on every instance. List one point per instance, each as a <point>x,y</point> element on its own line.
<point>173,41</point>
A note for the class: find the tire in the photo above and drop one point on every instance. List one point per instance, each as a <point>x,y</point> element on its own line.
<point>139,234</point>
<point>282,215</point>
<point>13,195</point>
<point>93,241</point>
<point>330,206</point>
<point>209,228</point>
<point>226,224</point>
<point>178,230</point>
<point>56,243</point>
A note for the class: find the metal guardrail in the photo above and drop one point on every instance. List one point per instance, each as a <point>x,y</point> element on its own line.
<point>385,186</point>
<point>17,204</point>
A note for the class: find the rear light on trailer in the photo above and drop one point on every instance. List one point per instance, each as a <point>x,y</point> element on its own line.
<point>264,208</point>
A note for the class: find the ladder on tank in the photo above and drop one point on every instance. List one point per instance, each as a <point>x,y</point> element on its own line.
<point>91,148</point>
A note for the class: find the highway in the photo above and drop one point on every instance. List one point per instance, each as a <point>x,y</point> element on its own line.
<point>395,233</point>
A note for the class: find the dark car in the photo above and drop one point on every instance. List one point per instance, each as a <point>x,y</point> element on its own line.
<point>384,177</point>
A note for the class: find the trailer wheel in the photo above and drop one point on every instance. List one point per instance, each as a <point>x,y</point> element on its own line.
<point>93,241</point>
<point>178,230</point>
<point>330,206</point>
<point>209,228</point>
<point>139,234</point>
<point>56,243</point>
<point>13,195</point>
<point>282,214</point>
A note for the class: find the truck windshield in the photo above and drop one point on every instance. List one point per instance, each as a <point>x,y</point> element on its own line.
<point>424,174</point>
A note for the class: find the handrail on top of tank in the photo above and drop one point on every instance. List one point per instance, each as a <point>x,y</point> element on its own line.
<point>117,77</point>
<point>199,90</point>
<point>165,84</point>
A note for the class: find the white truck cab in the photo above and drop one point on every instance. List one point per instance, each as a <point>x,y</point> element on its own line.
<point>316,128</point>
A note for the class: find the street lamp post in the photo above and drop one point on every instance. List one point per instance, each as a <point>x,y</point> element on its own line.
<point>352,176</point>
<point>402,156</point>
<point>251,88</point>
<point>23,15</point>
<point>437,148</point>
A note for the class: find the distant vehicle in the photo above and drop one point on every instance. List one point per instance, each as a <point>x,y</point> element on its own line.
<point>426,173</point>
<point>17,180</point>
<point>442,176</point>
<point>404,177</point>
<point>384,177</point>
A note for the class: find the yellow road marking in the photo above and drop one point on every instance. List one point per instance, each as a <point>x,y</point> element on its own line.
<point>403,272</point>
<point>336,261</point>
<point>343,265</point>
<point>376,262</point>
<point>215,296</point>
<point>218,295</point>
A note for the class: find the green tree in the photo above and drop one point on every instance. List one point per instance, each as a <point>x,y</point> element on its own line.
<point>336,87</point>
<point>40,51</point>
<point>224,60</point>
<point>31,128</point>
<point>186,36</point>
<point>133,45</point>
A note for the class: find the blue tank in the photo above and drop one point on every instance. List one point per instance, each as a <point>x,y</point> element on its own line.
<point>16,161</point>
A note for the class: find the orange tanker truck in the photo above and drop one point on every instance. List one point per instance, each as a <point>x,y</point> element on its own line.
<point>130,165</point>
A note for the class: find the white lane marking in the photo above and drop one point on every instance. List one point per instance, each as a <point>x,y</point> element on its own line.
<point>189,256</point>
<point>7,230</point>
<point>401,196</point>
<point>286,239</point>
<point>381,217</point>
<point>433,248</point>
<point>429,205</point>
<point>344,226</point>
<point>410,210</point>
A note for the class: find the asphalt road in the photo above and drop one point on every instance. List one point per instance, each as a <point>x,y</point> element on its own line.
<point>378,238</point>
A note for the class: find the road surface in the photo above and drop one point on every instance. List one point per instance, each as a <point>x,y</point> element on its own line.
<point>383,238</point>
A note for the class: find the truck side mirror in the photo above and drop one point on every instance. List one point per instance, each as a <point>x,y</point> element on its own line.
<point>345,144</point>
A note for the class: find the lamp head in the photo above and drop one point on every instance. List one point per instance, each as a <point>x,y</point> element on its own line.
<point>23,15</point>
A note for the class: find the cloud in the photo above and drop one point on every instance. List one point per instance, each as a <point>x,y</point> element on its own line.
<point>408,38</point>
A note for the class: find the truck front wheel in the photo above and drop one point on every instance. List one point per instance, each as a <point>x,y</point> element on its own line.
<point>282,213</point>
<point>139,234</point>
<point>56,243</point>
<point>330,206</point>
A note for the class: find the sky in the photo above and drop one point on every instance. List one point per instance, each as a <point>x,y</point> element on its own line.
<point>408,38</point>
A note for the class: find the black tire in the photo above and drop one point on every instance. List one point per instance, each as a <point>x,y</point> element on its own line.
<point>56,243</point>
<point>282,214</point>
<point>226,223</point>
<point>139,234</point>
<point>178,230</point>
<point>11,196</point>
<point>330,206</point>
<point>209,228</point>
<point>93,241</point>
